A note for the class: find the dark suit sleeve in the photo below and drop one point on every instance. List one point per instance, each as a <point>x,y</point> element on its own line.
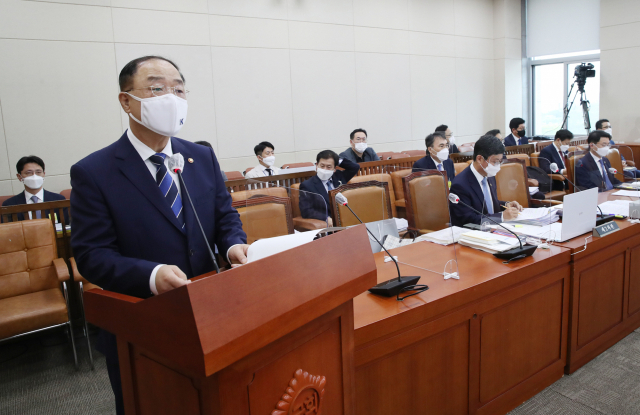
<point>374,155</point>
<point>228,226</point>
<point>454,149</point>
<point>312,205</point>
<point>350,169</point>
<point>545,161</point>
<point>509,141</point>
<point>94,242</point>
<point>524,140</point>
<point>586,179</point>
<point>347,155</point>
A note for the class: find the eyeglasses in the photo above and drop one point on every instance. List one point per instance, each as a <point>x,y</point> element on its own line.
<point>27,173</point>
<point>160,90</point>
<point>360,140</point>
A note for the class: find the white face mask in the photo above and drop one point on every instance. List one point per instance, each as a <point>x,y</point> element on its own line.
<point>443,154</point>
<point>324,174</point>
<point>608,131</point>
<point>491,170</point>
<point>164,115</point>
<point>269,161</point>
<point>564,148</point>
<point>361,147</point>
<point>602,151</point>
<point>452,140</point>
<point>33,182</point>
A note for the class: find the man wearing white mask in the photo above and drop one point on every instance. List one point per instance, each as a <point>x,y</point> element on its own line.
<point>31,173</point>
<point>593,170</point>
<point>451,139</point>
<point>265,152</point>
<point>359,152</point>
<point>314,192</point>
<point>476,187</point>
<point>605,125</point>
<point>437,157</point>
<point>134,232</point>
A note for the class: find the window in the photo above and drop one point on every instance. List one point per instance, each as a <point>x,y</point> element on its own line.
<point>552,78</point>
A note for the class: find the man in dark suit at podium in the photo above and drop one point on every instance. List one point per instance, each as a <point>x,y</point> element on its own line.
<point>517,136</point>
<point>476,187</point>
<point>133,232</point>
<point>314,192</point>
<point>592,170</point>
<point>437,157</point>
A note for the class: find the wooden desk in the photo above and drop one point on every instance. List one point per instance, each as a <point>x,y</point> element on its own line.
<point>479,345</point>
<point>605,290</point>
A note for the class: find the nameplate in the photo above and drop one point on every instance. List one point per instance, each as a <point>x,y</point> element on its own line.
<point>605,229</point>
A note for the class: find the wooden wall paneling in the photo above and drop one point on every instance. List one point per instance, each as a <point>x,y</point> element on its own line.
<point>634,280</point>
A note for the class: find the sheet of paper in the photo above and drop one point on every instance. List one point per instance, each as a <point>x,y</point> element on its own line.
<point>547,232</point>
<point>533,190</point>
<point>615,207</point>
<point>634,193</point>
<point>444,236</point>
<point>402,224</point>
<point>271,246</point>
<point>531,213</point>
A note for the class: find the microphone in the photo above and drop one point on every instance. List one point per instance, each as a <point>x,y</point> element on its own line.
<point>176,165</point>
<point>612,170</point>
<point>391,287</point>
<point>510,255</point>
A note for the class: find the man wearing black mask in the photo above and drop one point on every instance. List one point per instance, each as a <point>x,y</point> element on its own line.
<point>517,136</point>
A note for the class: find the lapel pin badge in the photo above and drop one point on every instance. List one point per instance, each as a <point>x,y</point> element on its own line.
<point>190,160</point>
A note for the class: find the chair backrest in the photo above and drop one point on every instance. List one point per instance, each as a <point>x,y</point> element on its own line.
<point>512,184</point>
<point>573,159</point>
<point>294,197</point>
<point>247,170</point>
<point>384,177</point>
<point>616,163</point>
<point>3,198</point>
<point>460,167</point>
<point>234,175</point>
<point>427,202</point>
<point>415,152</point>
<point>370,200</point>
<point>398,156</point>
<point>396,179</point>
<point>27,251</point>
<point>523,157</point>
<point>265,217</point>
<point>66,193</point>
<point>460,158</point>
<point>267,191</point>
<point>385,155</point>
<point>535,161</point>
<point>294,165</point>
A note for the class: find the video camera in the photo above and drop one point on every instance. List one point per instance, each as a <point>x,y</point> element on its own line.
<point>582,72</point>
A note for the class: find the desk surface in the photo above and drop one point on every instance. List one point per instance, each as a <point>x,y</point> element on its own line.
<point>480,275</point>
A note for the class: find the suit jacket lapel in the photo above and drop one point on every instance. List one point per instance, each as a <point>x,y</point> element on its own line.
<point>135,170</point>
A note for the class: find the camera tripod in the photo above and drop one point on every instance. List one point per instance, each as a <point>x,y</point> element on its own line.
<point>584,103</point>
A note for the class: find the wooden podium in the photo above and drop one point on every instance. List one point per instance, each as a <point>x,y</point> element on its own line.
<point>271,337</point>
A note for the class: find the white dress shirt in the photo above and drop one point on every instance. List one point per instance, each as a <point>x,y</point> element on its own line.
<point>39,195</point>
<point>479,177</point>
<point>260,171</point>
<point>145,152</point>
<point>437,162</point>
<point>597,160</point>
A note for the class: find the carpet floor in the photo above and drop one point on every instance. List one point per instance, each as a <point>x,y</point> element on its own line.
<point>37,376</point>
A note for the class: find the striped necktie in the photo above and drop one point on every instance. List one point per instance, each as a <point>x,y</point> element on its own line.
<point>167,186</point>
<point>34,199</point>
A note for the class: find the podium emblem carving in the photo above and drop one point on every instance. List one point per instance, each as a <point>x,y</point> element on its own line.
<point>303,396</point>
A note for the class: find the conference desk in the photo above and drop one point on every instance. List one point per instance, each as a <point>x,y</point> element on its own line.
<point>605,290</point>
<point>482,344</point>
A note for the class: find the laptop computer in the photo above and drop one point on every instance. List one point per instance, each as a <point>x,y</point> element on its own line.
<point>578,214</point>
<point>380,229</point>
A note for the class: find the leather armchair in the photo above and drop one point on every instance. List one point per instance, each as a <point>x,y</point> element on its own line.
<point>427,201</point>
<point>381,177</point>
<point>370,200</point>
<point>299,223</point>
<point>554,194</point>
<point>616,163</point>
<point>265,217</point>
<point>398,187</point>
<point>33,281</point>
<point>511,182</point>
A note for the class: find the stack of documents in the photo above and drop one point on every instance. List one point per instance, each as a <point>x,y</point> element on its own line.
<point>445,236</point>
<point>632,193</point>
<point>488,242</point>
<point>615,207</point>
<point>536,217</point>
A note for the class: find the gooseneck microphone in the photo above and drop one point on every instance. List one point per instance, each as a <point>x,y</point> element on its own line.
<point>511,254</point>
<point>176,165</point>
<point>394,286</point>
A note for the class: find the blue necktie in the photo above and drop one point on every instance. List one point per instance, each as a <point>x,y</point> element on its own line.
<point>168,187</point>
<point>487,196</point>
<point>605,176</point>
<point>34,199</point>
<point>329,185</point>
<point>439,167</point>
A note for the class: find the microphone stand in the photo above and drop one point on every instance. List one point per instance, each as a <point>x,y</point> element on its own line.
<point>186,192</point>
<point>511,254</point>
<point>394,286</point>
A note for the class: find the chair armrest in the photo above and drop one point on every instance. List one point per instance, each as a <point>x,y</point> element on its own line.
<point>303,225</point>
<point>77,277</point>
<point>557,177</point>
<point>401,203</point>
<point>62,271</point>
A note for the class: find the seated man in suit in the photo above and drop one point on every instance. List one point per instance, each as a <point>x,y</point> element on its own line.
<point>605,125</point>
<point>437,157</point>
<point>314,192</point>
<point>359,152</point>
<point>31,174</point>
<point>517,136</point>
<point>556,153</point>
<point>476,187</point>
<point>592,170</point>
<point>265,152</point>
<point>451,139</point>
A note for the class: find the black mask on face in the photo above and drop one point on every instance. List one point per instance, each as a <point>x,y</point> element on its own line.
<point>521,133</point>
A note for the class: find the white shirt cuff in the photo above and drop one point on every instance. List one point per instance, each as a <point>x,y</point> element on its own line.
<point>228,260</point>
<point>152,280</point>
